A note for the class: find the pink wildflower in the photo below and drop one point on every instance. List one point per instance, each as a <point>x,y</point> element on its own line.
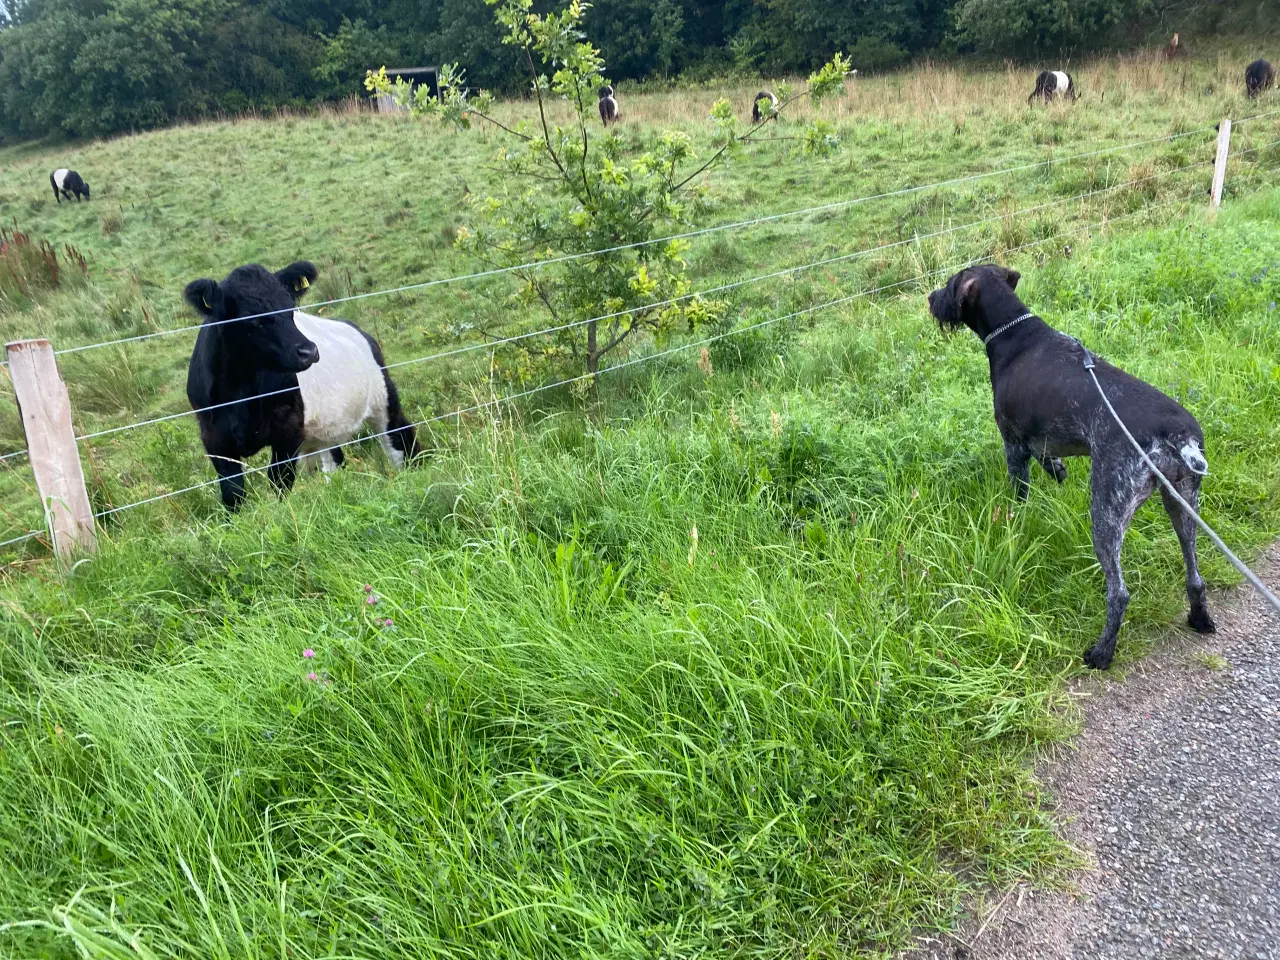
<point>312,677</point>
<point>308,653</point>
<point>372,600</point>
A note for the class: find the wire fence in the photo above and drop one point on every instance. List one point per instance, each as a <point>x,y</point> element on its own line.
<point>686,235</point>
<point>696,344</point>
<point>671,301</point>
<point>681,348</point>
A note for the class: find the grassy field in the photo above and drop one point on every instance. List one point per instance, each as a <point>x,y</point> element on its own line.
<point>745,657</point>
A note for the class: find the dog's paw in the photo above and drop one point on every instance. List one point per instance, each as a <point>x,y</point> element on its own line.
<point>1058,470</point>
<point>1095,659</point>
<point>1201,622</point>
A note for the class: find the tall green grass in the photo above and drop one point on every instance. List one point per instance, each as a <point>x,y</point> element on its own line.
<point>586,730</point>
<point>567,725</point>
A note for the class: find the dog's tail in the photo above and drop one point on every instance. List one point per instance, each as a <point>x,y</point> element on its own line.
<point>1191,454</point>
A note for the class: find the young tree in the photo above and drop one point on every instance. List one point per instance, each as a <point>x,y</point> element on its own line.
<point>569,196</point>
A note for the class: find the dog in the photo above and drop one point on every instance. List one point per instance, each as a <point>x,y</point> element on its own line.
<point>1047,407</point>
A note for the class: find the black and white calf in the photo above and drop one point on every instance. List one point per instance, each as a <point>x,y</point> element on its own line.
<point>327,379</point>
<point>1259,77</point>
<point>1047,407</point>
<point>67,182</point>
<point>609,112</point>
<point>764,96</point>
<point>1052,84</point>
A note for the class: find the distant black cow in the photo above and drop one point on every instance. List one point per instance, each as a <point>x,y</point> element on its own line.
<point>327,379</point>
<point>67,182</point>
<point>1259,77</point>
<point>756,113</point>
<point>609,112</point>
<point>1052,84</point>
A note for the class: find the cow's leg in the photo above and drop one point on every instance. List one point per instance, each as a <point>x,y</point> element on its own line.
<point>284,467</point>
<point>395,432</point>
<point>57,195</point>
<point>230,480</point>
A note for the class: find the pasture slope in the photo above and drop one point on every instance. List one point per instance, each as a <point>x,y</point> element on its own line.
<point>743,657</point>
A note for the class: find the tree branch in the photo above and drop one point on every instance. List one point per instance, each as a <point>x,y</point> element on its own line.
<point>542,114</point>
<point>500,125</point>
<point>747,137</point>
<point>618,338</point>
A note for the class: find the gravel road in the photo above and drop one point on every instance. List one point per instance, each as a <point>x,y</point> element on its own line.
<point>1173,790</point>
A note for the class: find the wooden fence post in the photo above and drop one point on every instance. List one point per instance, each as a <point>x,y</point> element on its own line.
<point>1220,164</point>
<point>45,409</point>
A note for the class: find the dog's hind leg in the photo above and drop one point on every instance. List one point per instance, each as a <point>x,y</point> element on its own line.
<point>1116,497</point>
<point>1054,468</point>
<point>1018,458</point>
<point>1183,524</point>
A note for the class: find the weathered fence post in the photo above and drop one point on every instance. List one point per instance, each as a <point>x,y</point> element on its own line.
<point>1220,164</point>
<point>45,409</point>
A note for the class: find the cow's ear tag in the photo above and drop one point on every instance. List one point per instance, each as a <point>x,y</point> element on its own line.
<point>303,283</point>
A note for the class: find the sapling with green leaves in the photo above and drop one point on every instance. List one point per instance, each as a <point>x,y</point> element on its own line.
<point>572,194</point>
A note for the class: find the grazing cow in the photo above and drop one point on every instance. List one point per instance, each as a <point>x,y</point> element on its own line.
<point>1052,84</point>
<point>327,379</point>
<point>1175,49</point>
<point>756,113</point>
<point>1259,77</point>
<point>609,112</point>
<point>1047,407</point>
<point>67,182</point>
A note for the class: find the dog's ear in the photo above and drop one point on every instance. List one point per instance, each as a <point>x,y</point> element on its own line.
<point>1013,276</point>
<point>967,288</point>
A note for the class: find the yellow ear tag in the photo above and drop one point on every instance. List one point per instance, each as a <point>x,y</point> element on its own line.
<point>305,282</point>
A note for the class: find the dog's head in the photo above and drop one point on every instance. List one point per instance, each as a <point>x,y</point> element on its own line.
<point>961,302</point>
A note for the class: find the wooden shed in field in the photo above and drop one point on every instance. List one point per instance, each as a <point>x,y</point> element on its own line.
<point>416,77</point>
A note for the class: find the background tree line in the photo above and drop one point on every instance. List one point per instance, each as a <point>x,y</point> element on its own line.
<point>92,67</point>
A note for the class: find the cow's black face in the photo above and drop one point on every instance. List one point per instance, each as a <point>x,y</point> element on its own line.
<point>253,310</point>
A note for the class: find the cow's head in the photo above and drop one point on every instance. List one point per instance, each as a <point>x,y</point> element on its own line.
<point>253,309</point>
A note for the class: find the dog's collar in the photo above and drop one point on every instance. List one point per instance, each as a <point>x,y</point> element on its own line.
<point>1008,326</point>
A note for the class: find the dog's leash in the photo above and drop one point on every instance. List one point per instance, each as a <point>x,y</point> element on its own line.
<point>1217,540</point>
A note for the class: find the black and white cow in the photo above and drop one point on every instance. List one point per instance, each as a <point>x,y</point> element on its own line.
<point>1259,77</point>
<point>1052,84</point>
<point>326,379</point>
<point>609,112</point>
<point>67,182</point>
<point>756,113</point>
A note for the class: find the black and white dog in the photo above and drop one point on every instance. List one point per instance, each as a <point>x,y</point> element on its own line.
<point>1048,407</point>
<point>1052,84</point>
<point>67,182</point>
<point>266,374</point>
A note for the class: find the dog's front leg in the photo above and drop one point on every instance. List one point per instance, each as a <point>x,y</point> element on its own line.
<point>1018,457</point>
